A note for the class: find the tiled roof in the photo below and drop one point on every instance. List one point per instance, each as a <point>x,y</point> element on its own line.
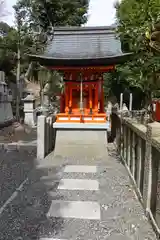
<point>82,46</point>
<point>84,42</point>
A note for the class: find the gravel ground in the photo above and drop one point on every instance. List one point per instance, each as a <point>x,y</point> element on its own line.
<point>17,133</point>
<point>122,216</point>
<point>14,169</point>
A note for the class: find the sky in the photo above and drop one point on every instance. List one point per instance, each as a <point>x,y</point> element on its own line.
<point>101,12</point>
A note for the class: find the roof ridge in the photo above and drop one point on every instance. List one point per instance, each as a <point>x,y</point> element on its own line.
<point>83,28</point>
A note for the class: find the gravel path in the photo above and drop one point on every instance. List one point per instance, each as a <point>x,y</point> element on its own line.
<point>14,169</point>
<point>93,200</point>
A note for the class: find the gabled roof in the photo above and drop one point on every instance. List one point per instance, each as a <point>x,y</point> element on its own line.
<point>82,45</point>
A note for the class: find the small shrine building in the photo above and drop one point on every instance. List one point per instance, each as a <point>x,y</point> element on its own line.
<point>82,55</point>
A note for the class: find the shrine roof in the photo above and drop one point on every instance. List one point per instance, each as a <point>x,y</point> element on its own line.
<point>79,46</point>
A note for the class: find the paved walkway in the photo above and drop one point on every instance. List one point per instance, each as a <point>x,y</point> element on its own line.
<point>78,192</point>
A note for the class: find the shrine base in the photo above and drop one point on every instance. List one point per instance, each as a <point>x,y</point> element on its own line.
<point>82,126</point>
<point>81,118</point>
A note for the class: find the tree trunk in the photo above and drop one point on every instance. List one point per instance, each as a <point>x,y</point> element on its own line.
<point>29,71</point>
<point>18,86</point>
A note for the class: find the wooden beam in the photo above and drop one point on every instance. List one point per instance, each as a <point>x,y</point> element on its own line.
<point>99,69</point>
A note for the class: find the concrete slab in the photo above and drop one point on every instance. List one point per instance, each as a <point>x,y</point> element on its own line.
<point>51,239</point>
<point>78,184</point>
<point>80,169</point>
<point>75,209</point>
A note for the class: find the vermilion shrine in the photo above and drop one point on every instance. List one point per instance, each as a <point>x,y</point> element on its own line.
<point>83,55</point>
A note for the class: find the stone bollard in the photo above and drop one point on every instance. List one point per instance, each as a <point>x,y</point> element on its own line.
<point>153,130</point>
<point>41,137</point>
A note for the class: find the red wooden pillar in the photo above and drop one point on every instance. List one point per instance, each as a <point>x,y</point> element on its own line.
<point>102,96</point>
<point>90,96</point>
<point>96,97</point>
<point>66,98</point>
<point>70,96</point>
<point>62,103</point>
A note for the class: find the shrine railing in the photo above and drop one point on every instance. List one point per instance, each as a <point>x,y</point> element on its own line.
<point>138,146</point>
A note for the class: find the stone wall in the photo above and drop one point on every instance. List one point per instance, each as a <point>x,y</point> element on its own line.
<point>138,145</point>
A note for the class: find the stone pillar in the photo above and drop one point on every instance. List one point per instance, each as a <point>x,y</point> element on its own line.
<point>47,136</point>
<point>41,137</point>
<point>153,130</point>
<point>121,101</point>
<point>29,110</point>
<point>130,102</point>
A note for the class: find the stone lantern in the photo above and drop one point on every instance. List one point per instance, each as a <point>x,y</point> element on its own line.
<point>29,110</point>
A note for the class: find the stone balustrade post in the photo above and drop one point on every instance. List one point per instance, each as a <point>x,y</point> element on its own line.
<point>139,162</point>
<point>153,130</point>
<point>124,137</point>
<point>128,158</point>
<point>133,146</point>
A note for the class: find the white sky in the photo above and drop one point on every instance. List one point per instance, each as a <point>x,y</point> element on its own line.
<point>101,12</point>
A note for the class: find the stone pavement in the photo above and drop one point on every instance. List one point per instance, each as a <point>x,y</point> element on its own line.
<point>81,191</point>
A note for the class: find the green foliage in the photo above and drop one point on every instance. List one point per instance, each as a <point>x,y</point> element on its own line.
<point>8,47</point>
<point>35,21</point>
<point>45,14</point>
<point>155,37</point>
<point>135,20</point>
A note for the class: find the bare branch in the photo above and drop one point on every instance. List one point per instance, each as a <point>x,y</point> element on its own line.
<point>2,9</point>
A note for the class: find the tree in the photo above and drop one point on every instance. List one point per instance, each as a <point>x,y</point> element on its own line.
<point>8,47</point>
<point>35,20</point>
<point>155,37</point>
<point>27,41</point>
<point>134,19</point>
<point>46,14</point>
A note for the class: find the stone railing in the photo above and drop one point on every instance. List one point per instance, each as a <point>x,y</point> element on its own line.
<point>138,145</point>
<point>46,135</point>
